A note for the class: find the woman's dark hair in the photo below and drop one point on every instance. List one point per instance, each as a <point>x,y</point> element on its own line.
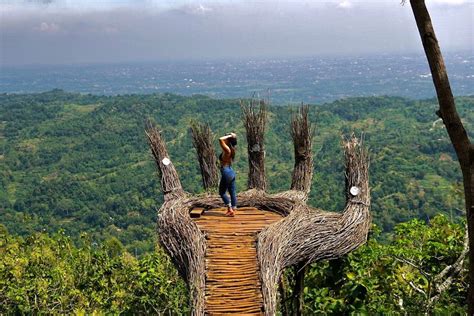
<point>233,141</point>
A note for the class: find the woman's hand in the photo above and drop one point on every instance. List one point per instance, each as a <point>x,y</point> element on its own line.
<point>229,135</point>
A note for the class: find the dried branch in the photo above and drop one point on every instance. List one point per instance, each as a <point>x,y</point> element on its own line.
<point>357,171</point>
<point>410,263</point>
<point>186,245</point>
<point>170,183</point>
<point>202,142</point>
<point>445,278</point>
<point>307,235</point>
<point>302,133</point>
<point>413,286</point>
<point>177,233</point>
<point>255,122</point>
<point>251,198</point>
<point>440,282</point>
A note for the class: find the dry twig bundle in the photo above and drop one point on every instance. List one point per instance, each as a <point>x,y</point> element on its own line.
<point>302,135</point>
<point>206,154</point>
<point>255,121</point>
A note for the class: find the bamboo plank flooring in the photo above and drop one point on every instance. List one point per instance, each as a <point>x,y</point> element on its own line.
<point>232,272</point>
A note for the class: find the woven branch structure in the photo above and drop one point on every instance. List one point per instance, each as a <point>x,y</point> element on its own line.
<point>255,120</point>
<point>304,234</point>
<point>302,135</point>
<point>206,154</point>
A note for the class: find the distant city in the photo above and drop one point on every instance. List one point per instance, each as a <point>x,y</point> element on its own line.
<point>313,80</point>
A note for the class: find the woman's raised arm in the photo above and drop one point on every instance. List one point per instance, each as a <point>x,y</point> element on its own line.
<point>223,142</point>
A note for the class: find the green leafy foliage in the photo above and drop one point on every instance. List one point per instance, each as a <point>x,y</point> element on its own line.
<point>391,278</point>
<point>49,274</point>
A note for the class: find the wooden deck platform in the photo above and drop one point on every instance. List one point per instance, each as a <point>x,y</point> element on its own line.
<point>232,272</point>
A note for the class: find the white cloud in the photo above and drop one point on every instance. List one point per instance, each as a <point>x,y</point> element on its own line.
<point>198,9</point>
<point>203,9</point>
<point>46,27</point>
<point>345,5</point>
<point>451,2</point>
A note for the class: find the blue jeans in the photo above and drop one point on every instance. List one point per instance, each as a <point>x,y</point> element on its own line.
<point>228,184</point>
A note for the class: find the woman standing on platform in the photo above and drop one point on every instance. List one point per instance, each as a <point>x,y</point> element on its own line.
<point>227,183</point>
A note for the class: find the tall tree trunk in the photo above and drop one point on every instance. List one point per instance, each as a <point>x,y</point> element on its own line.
<point>282,288</point>
<point>447,111</point>
<point>298,299</point>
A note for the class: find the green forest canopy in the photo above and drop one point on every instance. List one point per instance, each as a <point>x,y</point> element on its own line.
<point>51,274</point>
<point>81,162</point>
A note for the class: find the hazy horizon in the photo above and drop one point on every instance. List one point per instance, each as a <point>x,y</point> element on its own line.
<point>418,54</point>
<point>287,80</point>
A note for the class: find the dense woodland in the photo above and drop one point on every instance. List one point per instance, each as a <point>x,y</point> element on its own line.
<point>51,274</point>
<point>79,165</point>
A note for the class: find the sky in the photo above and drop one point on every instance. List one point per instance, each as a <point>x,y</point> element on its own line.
<point>97,31</point>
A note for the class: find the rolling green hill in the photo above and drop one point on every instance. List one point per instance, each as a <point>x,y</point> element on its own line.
<point>81,162</point>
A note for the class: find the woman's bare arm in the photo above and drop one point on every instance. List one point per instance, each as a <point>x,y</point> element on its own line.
<point>223,142</point>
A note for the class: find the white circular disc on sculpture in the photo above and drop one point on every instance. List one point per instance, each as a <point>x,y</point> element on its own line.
<point>166,161</point>
<point>354,191</point>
